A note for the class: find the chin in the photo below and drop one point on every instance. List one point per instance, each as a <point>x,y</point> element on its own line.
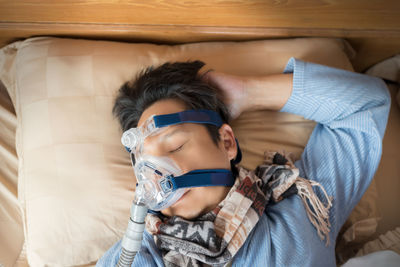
<point>189,206</point>
<point>189,215</point>
<point>183,211</point>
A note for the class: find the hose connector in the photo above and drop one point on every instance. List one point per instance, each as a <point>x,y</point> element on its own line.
<point>132,240</point>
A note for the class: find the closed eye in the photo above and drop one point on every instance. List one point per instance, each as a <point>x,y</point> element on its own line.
<point>177,149</point>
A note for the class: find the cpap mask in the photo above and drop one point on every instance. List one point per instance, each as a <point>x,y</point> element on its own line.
<point>160,182</point>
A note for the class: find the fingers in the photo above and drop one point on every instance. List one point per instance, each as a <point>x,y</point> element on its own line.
<point>232,87</point>
<point>204,75</point>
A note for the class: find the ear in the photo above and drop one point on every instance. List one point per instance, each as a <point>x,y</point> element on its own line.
<point>227,138</point>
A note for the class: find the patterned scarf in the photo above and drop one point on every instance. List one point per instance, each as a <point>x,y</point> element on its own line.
<point>215,237</point>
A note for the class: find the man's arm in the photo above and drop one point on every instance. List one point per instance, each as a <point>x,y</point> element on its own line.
<point>351,109</point>
<point>268,92</point>
<point>344,149</point>
<point>251,93</point>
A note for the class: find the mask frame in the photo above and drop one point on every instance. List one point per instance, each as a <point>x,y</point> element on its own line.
<point>170,184</point>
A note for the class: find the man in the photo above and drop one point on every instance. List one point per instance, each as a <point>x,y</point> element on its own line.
<point>294,224</point>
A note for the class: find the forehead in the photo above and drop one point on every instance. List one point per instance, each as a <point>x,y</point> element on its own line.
<point>161,107</point>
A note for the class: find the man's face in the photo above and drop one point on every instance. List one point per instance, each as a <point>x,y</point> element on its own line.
<point>191,147</point>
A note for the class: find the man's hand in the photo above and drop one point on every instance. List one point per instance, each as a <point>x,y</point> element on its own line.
<point>251,93</point>
<point>233,88</point>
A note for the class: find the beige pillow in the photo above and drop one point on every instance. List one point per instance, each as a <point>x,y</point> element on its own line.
<point>75,181</point>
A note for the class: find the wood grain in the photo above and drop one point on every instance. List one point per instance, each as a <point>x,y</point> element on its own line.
<point>176,21</point>
<point>326,14</point>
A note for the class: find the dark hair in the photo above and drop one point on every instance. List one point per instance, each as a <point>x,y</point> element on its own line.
<point>177,80</point>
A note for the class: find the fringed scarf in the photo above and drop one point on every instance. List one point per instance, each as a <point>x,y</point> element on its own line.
<point>215,237</point>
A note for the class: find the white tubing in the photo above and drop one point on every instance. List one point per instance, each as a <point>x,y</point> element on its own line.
<point>132,240</point>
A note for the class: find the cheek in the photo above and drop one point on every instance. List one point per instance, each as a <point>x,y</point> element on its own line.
<point>197,202</point>
<point>201,155</point>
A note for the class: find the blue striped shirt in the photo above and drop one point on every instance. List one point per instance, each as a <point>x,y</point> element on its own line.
<point>343,153</point>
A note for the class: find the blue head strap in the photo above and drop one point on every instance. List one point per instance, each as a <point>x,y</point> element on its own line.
<point>196,178</point>
<point>189,116</point>
<point>202,116</point>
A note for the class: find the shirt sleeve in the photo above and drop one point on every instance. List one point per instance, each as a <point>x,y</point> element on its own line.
<point>345,147</point>
<point>148,256</point>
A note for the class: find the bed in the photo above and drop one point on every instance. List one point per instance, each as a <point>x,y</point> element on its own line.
<point>66,183</point>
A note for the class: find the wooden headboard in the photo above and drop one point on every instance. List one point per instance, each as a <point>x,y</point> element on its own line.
<point>371,26</point>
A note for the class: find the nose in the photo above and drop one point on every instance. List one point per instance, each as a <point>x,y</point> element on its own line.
<point>151,146</point>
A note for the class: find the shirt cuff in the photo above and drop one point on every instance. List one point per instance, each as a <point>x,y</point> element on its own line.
<point>295,103</point>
